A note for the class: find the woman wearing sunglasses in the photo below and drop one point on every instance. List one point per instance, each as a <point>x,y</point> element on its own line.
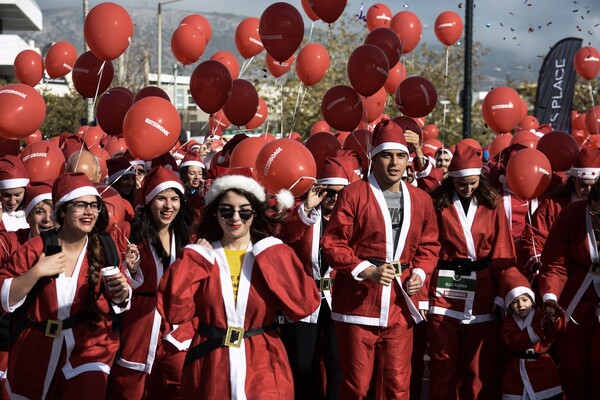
<point>234,282</point>
<point>152,351</point>
<point>63,339</point>
<point>569,282</point>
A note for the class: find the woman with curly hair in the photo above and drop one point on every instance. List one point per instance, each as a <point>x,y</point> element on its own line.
<point>233,282</point>
<point>63,340</point>
<point>476,246</point>
<point>152,351</point>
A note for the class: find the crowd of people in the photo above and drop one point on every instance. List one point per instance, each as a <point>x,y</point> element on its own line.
<point>181,278</point>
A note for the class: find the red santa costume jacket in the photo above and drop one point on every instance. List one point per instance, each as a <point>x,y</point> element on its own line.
<point>142,326</point>
<point>359,230</point>
<point>199,285</point>
<point>34,357</point>
<point>480,234</point>
<point>530,378</point>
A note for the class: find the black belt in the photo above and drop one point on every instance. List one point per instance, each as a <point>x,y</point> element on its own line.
<point>463,266</point>
<point>529,355</point>
<point>221,337</point>
<point>52,328</point>
<point>324,284</point>
<point>398,267</point>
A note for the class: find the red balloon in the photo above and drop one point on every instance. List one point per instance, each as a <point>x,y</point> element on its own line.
<point>524,108</point>
<point>431,146</point>
<point>218,122</point>
<point>29,67</point>
<point>43,160</point>
<point>560,148</point>
<point>60,59</point>
<point>111,109</point>
<point>149,91</point>
<point>281,30</point>
<point>309,12</point>
<point>528,173</point>
<point>374,105</point>
<point>360,141</point>
<point>312,63</point>
<point>416,97</point>
<point>322,145</point>
<point>407,123</point>
<point>472,142</point>
<point>211,85</point>
<point>92,136</point>
<point>114,204</point>
<point>245,153</point>
<point>260,117</point>
<point>108,30</point>
<point>229,61</point>
<point>396,75</point>
<point>247,39</point>
<point>342,108</point>
<point>499,143</point>
<point>9,147</point>
<point>525,138</point>
<point>151,128</point>
<point>87,78</point>
<point>320,126</point>
<point>367,69</point>
<point>592,120</point>
<point>430,131</point>
<point>527,123</point>
<point>577,120</point>
<point>200,22</point>
<point>115,146</point>
<point>34,137</point>
<point>580,136</point>
<point>388,41</point>
<point>328,10</point>
<point>593,140</point>
<point>587,62</point>
<point>379,16</point>
<point>408,27</point>
<point>277,68</point>
<point>286,164</point>
<point>188,44</point>
<point>448,27</point>
<point>22,111</point>
<point>267,137</point>
<point>342,136</point>
<point>295,136</point>
<point>501,109</point>
<point>242,104</point>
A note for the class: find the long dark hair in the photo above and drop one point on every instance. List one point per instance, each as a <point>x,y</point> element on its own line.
<point>484,194</point>
<point>262,224</point>
<point>96,256</point>
<point>594,194</point>
<point>183,175</point>
<point>143,230</point>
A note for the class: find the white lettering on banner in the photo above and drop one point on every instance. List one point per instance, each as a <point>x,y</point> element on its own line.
<point>559,75</point>
<point>12,91</point>
<point>501,106</point>
<point>270,160</point>
<point>336,101</point>
<point>157,126</point>
<point>33,155</point>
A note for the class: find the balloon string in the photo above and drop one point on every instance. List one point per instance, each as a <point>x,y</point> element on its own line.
<point>535,253</point>
<point>302,93</point>
<point>281,109</point>
<point>172,81</point>
<point>270,91</point>
<point>245,65</point>
<point>116,180</point>
<point>82,147</point>
<point>446,73</point>
<point>299,180</point>
<point>312,26</point>
<point>122,233</point>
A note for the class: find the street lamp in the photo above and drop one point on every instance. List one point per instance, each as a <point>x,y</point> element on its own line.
<point>159,53</point>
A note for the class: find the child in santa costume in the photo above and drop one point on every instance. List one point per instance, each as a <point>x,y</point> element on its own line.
<point>528,334</point>
<point>13,180</point>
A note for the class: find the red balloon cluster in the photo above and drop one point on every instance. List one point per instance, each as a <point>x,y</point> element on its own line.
<point>281,29</point>
<point>502,109</point>
<point>448,27</point>
<point>528,173</point>
<point>29,67</point>
<point>342,108</point>
<point>416,97</point>
<point>108,30</point>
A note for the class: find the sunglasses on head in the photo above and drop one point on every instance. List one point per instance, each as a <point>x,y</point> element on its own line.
<point>227,213</point>
<point>331,193</point>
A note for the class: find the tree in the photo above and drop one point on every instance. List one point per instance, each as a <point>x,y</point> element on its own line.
<point>63,113</point>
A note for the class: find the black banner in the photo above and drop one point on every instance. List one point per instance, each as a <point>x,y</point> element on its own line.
<point>556,85</point>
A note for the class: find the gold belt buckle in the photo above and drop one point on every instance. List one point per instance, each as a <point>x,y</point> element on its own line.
<point>595,268</point>
<point>397,268</point>
<point>53,328</point>
<point>234,337</point>
<point>325,284</point>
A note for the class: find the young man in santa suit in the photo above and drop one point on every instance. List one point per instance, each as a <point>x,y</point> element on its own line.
<point>381,240</point>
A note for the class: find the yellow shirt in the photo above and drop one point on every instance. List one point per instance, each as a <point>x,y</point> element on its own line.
<point>235,259</point>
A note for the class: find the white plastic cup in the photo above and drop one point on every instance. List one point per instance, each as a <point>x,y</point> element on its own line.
<point>107,272</point>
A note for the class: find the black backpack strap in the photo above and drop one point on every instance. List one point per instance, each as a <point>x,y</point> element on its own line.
<point>110,250</point>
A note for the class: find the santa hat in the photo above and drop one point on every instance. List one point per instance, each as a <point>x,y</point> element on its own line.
<point>333,172</point>
<point>587,164</point>
<point>192,159</point>
<point>388,135</point>
<point>71,185</point>
<point>193,144</point>
<point>36,192</point>
<point>513,284</point>
<point>118,167</point>
<point>13,173</point>
<point>444,150</point>
<point>167,161</point>
<point>466,162</point>
<point>157,180</point>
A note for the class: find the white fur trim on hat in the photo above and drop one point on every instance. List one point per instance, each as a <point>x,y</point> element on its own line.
<point>73,194</point>
<point>444,150</point>
<point>332,181</point>
<point>13,183</point>
<point>118,174</point>
<point>138,162</point>
<point>516,292</point>
<point>389,146</point>
<point>585,173</point>
<point>36,200</point>
<point>191,162</point>
<point>285,199</point>
<point>461,173</point>
<point>227,182</point>
<point>163,186</point>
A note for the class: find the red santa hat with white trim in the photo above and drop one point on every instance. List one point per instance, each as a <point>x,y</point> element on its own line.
<point>192,159</point>
<point>465,162</point>
<point>513,284</point>
<point>159,179</point>
<point>587,164</point>
<point>70,186</point>
<point>13,173</point>
<point>444,150</point>
<point>36,192</point>
<point>388,135</point>
<point>335,172</point>
<point>118,167</point>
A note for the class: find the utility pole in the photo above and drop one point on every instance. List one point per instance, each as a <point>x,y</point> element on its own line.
<point>90,102</point>
<point>468,70</point>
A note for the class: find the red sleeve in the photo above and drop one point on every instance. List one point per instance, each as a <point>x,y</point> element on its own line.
<point>428,249</point>
<point>515,338</point>
<point>293,228</point>
<point>502,254</point>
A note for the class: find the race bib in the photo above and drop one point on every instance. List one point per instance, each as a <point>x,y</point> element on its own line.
<point>452,286</point>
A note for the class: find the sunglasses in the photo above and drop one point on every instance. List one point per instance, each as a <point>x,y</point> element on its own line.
<point>227,213</point>
<point>331,193</point>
